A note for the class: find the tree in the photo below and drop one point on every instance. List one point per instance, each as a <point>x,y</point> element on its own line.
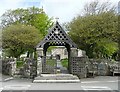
<point>96,31</point>
<point>119,30</point>
<point>31,16</point>
<point>96,7</point>
<point>19,38</point>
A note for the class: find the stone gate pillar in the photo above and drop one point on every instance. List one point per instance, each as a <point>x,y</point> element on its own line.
<point>13,66</point>
<point>39,60</point>
<point>74,52</point>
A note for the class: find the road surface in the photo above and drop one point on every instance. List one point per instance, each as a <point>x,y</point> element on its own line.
<point>97,83</point>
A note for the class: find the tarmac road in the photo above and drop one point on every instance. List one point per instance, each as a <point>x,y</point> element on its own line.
<point>97,83</point>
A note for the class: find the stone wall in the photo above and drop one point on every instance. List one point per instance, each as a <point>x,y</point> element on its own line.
<point>9,66</point>
<point>84,67</point>
<point>104,67</point>
<point>29,69</point>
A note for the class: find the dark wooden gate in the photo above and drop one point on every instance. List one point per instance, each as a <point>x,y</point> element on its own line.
<point>49,66</point>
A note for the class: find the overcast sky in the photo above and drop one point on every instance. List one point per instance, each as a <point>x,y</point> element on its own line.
<point>65,10</point>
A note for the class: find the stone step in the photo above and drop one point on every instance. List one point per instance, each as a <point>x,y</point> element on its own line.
<point>56,78</point>
<point>56,81</point>
<point>60,78</point>
<point>57,75</point>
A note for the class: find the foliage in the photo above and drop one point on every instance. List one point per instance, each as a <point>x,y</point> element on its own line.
<point>64,62</point>
<point>51,48</point>
<point>18,39</point>
<point>19,64</point>
<point>30,16</point>
<point>96,33</point>
<point>51,62</point>
<point>105,48</point>
<point>119,35</point>
<point>96,7</point>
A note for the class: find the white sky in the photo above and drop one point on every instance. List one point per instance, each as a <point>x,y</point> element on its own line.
<point>65,10</point>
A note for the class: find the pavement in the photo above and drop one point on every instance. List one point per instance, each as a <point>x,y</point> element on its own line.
<point>97,83</point>
<point>4,78</point>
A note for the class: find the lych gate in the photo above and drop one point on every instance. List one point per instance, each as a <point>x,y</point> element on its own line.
<point>55,37</point>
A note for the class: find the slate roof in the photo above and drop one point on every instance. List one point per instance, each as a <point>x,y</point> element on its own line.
<point>57,37</point>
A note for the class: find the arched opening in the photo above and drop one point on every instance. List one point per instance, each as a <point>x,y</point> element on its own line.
<point>57,60</point>
<point>58,57</point>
